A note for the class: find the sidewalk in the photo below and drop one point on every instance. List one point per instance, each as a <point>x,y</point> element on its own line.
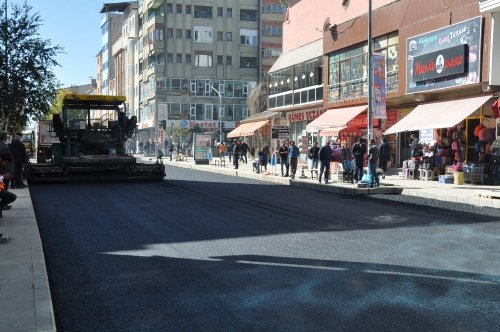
<point>474,195</point>
<point>25,301</point>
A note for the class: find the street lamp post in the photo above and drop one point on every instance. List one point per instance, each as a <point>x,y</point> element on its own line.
<point>219,113</point>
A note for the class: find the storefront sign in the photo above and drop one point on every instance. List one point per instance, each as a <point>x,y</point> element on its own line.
<point>379,73</point>
<point>304,115</point>
<point>280,132</point>
<point>444,58</point>
<point>361,120</point>
<point>392,118</point>
<point>426,136</point>
<point>448,62</point>
<point>178,116</point>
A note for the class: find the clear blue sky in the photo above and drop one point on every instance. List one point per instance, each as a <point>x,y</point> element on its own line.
<point>74,25</point>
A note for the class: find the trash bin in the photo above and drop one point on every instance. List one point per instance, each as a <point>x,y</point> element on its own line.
<point>458,178</point>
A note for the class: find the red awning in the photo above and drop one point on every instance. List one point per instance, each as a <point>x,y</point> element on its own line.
<point>335,118</point>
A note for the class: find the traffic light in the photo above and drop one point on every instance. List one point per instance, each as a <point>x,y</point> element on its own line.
<point>162,124</point>
<point>223,125</point>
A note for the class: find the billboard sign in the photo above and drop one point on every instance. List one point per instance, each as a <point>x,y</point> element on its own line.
<point>444,58</point>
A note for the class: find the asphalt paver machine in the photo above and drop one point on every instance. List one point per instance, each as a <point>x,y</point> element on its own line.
<point>92,132</point>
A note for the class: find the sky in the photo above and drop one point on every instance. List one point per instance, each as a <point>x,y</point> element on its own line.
<point>75,26</point>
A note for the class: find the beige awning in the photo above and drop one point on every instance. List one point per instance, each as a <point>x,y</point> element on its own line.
<point>299,55</point>
<point>444,114</point>
<point>335,118</point>
<point>236,132</point>
<point>249,131</point>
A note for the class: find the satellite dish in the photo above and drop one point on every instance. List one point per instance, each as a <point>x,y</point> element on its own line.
<point>327,24</point>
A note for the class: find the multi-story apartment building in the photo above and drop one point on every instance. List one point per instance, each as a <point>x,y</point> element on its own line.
<point>271,31</point>
<point>112,17</point>
<point>193,57</point>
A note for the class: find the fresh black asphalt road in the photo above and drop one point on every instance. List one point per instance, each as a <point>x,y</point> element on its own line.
<point>208,252</point>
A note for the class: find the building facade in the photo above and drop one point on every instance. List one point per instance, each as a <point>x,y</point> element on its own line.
<point>432,55</point>
<point>197,62</point>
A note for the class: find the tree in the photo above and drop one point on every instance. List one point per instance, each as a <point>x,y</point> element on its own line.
<point>28,83</point>
<point>285,3</point>
<point>257,101</point>
<point>56,105</point>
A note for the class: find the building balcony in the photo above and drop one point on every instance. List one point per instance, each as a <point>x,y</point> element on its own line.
<point>155,3</point>
<point>155,20</point>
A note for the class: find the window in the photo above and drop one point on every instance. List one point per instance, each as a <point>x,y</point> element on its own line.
<point>248,15</point>
<point>178,58</point>
<point>248,37</point>
<point>202,12</point>
<point>170,33</point>
<point>229,36</point>
<point>154,35</point>
<point>219,35</point>
<point>203,59</point>
<point>188,34</point>
<point>347,70</point>
<point>188,9</point>
<point>169,8</point>
<point>203,34</point>
<point>273,8</point>
<point>170,57</point>
<point>271,52</point>
<point>219,59</point>
<point>248,62</point>
<point>272,31</point>
<point>219,11</point>
<point>229,60</point>
<point>188,58</point>
<point>178,9</point>
<point>178,33</point>
<point>229,12</point>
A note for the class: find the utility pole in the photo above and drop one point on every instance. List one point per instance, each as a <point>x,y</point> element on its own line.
<point>220,113</point>
<point>370,75</point>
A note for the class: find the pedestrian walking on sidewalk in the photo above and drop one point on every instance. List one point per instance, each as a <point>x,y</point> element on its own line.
<point>373,154</point>
<point>244,151</point>
<point>236,153</point>
<point>314,155</point>
<point>293,155</point>
<point>266,155</point>
<point>171,151</point>
<point>4,147</point>
<point>20,159</point>
<point>283,152</point>
<point>325,158</point>
<point>384,157</point>
<point>358,151</point>
<point>230,149</point>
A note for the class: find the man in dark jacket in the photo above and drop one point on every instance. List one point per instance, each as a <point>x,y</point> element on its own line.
<point>283,152</point>
<point>358,151</point>
<point>384,157</point>
<point>293,156</point>
<point>6,197</point>
<point>325,158</point>
<point>314,155</point>
<point>20,158</point>
<point>373,155</point>
<point>236,153</point>
<point>4,147</point>
<point>244,151</point>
